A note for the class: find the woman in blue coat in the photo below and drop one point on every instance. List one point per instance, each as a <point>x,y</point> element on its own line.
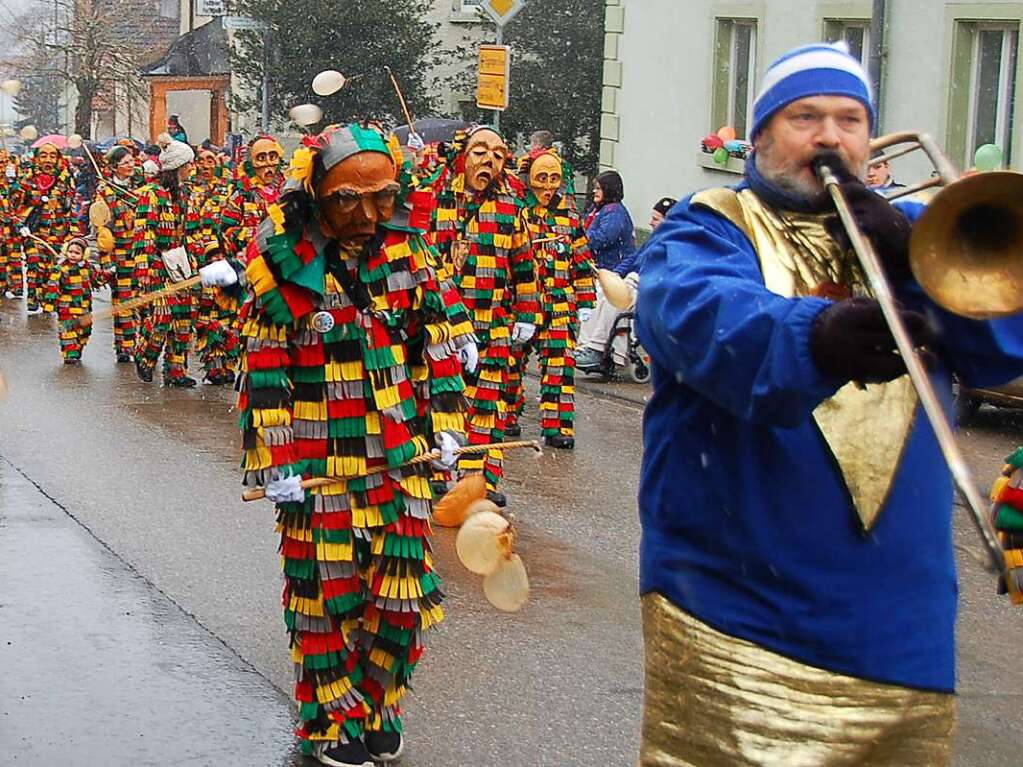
<point>608,224</point>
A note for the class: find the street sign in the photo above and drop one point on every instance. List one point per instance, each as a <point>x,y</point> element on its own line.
<point>243,24</point>
<point>501,11</point>
<point>210,7</point>
<point>494,72</point>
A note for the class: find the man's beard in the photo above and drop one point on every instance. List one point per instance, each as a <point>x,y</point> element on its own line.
<point>784,178</point>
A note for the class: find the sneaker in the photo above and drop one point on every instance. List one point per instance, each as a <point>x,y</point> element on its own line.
<point>497,498</point>
<point>72,361</point>
<point>587,358</point>
<point>512,430</point>
<point>123,357</point>
<point>33,309</point>
<point>145,374</point>
<point>352,754</point>
<point>560,441</point>
<point>185,382</point>
<point>384,746</point>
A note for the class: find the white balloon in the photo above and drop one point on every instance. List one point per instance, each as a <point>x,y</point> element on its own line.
<point>306,114</point>
<point>10,87</point>
<point>328,82</point>
<point>74,141</point>
<point>29,133</point>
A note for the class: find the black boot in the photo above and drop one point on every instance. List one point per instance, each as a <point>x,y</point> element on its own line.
<point>145,374</point>
<point>497,498</point>
<point>352,754</point>
<point>560,441</point>
<point>512,430</point>
<point>185,382</point>
<point>123,357</point>
<point>384,746</point>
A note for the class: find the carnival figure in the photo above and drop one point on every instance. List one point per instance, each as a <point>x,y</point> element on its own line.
<point>565,275</point>
<point>479,227</point>
<point>216,337</point>
<point>68,292</point>
<point>349,369</point>
<point>11,277</point>
<point>44,215</point>
<point>161,259</point>
<point>118,192</point>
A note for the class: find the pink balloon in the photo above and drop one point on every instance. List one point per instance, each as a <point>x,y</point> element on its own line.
<point>727,133</point>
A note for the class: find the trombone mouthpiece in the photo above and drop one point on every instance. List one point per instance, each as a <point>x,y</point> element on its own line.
<point>828,164</point>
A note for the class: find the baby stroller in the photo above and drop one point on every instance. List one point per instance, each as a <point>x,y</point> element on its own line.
<point>637,361</point>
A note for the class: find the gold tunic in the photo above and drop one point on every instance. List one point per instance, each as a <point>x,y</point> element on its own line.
<point>716,701</point>
<point>866,428</point>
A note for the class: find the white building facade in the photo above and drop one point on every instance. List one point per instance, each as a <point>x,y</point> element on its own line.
<point>677,70</point>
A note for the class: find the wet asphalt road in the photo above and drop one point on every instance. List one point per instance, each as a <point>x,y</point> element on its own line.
<point>134,491</point>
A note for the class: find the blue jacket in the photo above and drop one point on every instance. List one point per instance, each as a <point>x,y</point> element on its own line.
<point>746,521</point>
<point>612,236</point>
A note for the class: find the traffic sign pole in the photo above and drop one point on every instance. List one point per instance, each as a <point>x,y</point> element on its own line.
<point>497,112</point>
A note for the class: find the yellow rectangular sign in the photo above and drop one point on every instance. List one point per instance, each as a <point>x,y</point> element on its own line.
<point>494,71</point>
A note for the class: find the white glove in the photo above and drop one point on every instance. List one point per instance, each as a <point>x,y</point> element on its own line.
<point>470,357</point>
<point>219,274</point>
<point>286,489</point>
<point>585,314</point>
<point>522,332</point>
<point>24,231</point>
<point>415,142</point>
<point>448,445</point>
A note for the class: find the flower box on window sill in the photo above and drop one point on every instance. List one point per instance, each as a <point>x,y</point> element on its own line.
<point>735,165</point>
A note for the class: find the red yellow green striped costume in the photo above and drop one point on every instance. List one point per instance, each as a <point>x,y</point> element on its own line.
<point>360,587</point>
<point>68,292</point>
<point>44,204</point>
<point>123,286</point>
<point>497,283</point>
<point>167,325</point>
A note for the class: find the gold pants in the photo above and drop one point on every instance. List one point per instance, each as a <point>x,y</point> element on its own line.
<point>716,701</point>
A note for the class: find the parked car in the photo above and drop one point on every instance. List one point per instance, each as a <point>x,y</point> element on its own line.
<point>968,401</point>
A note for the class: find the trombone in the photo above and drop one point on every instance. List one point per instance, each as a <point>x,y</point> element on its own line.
<point>964,254</point>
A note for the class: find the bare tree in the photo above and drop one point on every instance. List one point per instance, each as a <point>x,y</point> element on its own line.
<point>96,46</point>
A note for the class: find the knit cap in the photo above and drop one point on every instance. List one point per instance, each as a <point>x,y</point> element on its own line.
<point>821,69</point>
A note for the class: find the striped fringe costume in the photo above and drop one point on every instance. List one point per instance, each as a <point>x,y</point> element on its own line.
<point>167,325</point>
<point>68,292</point>
<point>123,286</point>
<point>44,205</point>
<point>565,274</point>
<point>497,282</point>
<point>216,337</point>
<point>360,588</point>
<point>11,278</point>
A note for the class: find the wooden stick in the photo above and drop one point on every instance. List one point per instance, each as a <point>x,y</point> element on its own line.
<point>257,493</point>
<point>127,307</point>
<point>401,99</point>
<point>44,243</point>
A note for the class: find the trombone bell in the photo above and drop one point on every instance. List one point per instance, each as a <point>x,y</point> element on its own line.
<point>965,248</point>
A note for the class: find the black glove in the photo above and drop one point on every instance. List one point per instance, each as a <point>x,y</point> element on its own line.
<point>886,227</point>
<point>850,341</point>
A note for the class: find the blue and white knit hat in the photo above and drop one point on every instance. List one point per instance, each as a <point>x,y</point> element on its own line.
<point>821,69</point>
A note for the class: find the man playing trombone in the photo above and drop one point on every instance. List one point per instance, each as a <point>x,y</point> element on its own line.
<point>797,571</point>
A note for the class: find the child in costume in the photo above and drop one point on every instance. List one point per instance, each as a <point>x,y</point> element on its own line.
<point>565,275</point>
<point>350,366</point>
<point>11,277</point>
<point>216,340</point>
<point>68,292</point>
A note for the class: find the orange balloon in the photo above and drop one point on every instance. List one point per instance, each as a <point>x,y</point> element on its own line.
<point>726,133</point>
<point>453,509</point>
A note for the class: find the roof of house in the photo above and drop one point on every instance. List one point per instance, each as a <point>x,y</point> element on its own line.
<point>201,52</point>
